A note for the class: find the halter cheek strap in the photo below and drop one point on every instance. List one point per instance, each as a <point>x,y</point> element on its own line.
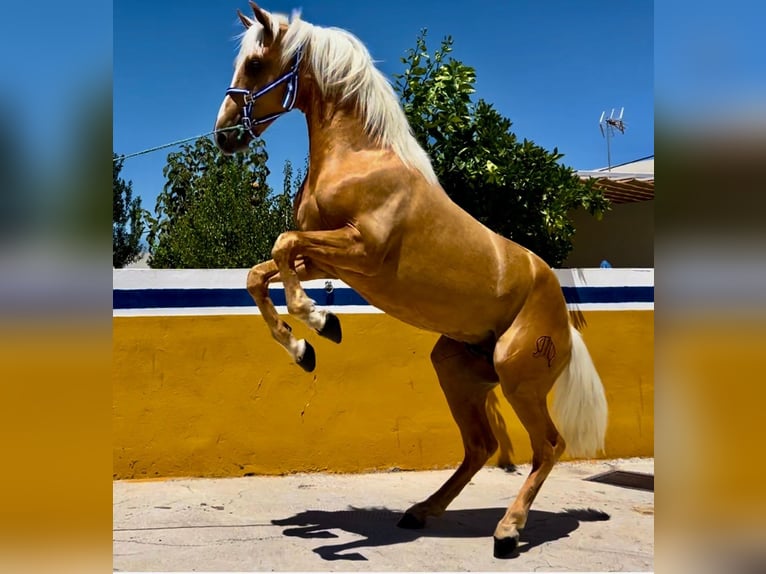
<point>250,96</point>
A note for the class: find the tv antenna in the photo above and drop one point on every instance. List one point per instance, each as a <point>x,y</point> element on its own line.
<point>607,126</point>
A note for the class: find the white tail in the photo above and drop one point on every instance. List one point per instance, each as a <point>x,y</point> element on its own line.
<point>579,403</point>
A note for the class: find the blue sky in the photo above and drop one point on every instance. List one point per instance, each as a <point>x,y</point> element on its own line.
<point>550,67</point>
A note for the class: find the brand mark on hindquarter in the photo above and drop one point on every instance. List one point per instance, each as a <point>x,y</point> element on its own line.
<point>545,348</point>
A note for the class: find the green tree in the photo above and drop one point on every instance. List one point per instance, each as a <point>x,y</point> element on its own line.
<point>291,185</point>
<point>285,199</point>
<point>127,220</point>
<point>516,188</point>
<point>215,211</point>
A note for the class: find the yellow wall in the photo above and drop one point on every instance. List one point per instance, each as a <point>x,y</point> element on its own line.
<point>216,396</point>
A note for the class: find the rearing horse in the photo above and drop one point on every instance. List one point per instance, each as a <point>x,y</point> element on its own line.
<point>372,213</point>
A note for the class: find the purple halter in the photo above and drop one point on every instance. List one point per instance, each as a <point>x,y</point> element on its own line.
<point>290,77</point>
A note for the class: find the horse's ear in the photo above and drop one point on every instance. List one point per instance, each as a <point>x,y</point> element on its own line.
<point>246,22</point>
<point>261,15</point>
<point>265,19</point>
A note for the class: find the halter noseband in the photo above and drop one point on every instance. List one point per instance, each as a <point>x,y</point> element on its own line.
<point>290,77</point>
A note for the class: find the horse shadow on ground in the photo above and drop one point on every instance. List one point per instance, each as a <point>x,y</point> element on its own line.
<point>377,527</point>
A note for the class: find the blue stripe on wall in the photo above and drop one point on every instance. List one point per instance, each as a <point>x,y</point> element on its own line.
<point>609,294</point>
<point>190,298</point>
<point>185,298</point>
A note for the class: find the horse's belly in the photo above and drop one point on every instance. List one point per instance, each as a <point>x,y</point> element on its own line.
<point>449,314</point>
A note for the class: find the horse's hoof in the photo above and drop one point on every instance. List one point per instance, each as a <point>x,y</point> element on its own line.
<point>411,522</point>
<point>331,329</point>
<point>506,547</point>
<point>309,359</point>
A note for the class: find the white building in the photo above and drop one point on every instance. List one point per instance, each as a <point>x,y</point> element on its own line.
<point>625,235</point>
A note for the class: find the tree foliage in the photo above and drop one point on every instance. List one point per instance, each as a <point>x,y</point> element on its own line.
<point>127,220</point>
<point>291,183</point>
<point>516,188</point>
<point>216,211</point>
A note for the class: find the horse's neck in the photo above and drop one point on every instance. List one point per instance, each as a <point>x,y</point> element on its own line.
<point>333,128</point>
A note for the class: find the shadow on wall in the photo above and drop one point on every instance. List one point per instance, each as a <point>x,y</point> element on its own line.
<point>378,527</point>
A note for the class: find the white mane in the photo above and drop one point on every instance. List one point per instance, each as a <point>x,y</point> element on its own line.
<point>342,66</point>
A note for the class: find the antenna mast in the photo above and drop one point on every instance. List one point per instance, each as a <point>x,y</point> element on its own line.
<point>607,126</point>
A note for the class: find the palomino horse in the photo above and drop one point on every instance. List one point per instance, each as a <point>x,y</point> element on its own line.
<point>372,213</point>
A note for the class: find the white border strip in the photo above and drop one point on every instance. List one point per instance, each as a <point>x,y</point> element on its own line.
<point>637,306</point>
<point>208,311</point>
<point>605,277</point>
<point>337,309</point>
<point>196,279</point>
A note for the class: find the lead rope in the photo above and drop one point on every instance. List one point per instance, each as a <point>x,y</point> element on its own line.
<point>175,143</point>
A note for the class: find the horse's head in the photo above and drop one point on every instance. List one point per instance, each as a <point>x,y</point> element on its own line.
<point>264,86</point>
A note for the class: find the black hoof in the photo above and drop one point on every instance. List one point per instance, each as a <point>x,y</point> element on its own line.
<point>331,329</point>
<point>411,522</point>
<point>309,359</point>
<point>506,547</point>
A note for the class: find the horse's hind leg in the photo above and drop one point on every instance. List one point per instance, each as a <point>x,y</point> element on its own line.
<point>527,373</point>
<point>466,379</point>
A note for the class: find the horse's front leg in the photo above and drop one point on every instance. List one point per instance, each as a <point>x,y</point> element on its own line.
<point>339,249</point>
<point>258,280</point>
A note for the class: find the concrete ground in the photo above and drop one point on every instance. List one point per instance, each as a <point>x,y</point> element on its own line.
<point>310,522</point>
